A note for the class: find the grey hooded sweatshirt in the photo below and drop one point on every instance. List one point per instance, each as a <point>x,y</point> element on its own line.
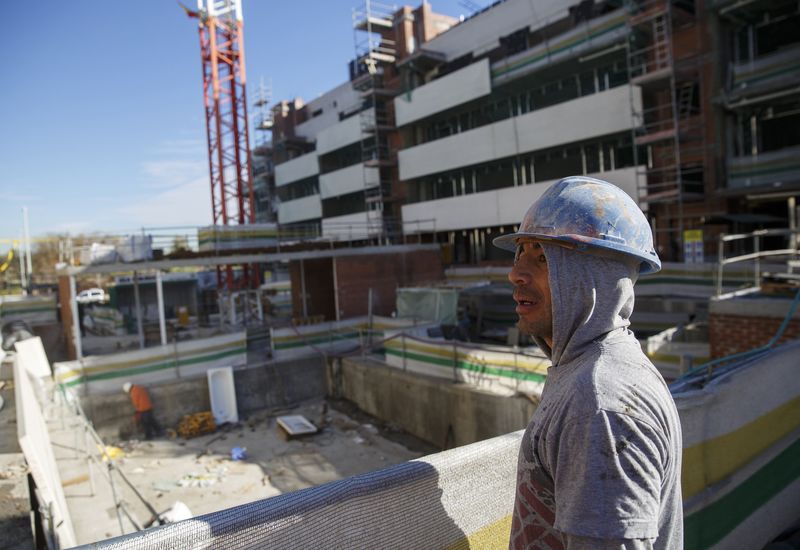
<point>599,465</point>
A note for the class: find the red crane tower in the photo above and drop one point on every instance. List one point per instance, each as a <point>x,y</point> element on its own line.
<point>222,52</point>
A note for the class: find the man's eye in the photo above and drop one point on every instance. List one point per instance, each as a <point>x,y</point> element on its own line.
<point>518,252</point>
<point>543,258</point>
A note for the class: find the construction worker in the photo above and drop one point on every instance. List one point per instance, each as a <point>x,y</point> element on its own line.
<point>144,409</point>
<point>600,461</point>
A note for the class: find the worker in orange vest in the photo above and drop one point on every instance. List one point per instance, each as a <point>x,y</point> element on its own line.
<point>144,409</point>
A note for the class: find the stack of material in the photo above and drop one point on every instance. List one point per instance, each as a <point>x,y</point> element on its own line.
<point>196,424</point>
<point>237,237</point>
<point>135,248</point>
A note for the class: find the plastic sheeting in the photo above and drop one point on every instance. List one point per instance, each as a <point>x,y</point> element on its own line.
<point>237,237</point>
<point>741,439</point>
<point>31,309</point>
<point>106,373</point>
<point>432,304</point>
<point>333,337</point>
<point>497,369</point>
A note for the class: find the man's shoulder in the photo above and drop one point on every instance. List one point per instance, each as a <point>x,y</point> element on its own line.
<point>619,378</point>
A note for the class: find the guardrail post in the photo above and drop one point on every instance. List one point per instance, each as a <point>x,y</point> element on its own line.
<point>720,262</point>
<point>403,343</point>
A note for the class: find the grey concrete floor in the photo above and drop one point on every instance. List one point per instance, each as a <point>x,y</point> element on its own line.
<point>201,473</point>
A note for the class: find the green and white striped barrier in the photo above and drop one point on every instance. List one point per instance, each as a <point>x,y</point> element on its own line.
<point>496,369</point>
<point>31,309</point>
<point>107,373</point>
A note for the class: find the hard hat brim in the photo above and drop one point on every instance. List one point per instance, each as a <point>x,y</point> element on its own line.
<point>583,244</point>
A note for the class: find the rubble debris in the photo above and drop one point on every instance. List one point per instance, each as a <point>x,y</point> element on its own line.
<point>294,425</point>
<point>178,512</point>
<point>111,452</point>
<point>75,480</point>
<point>196,424</point>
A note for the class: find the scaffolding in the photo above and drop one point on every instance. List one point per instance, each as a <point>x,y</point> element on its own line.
<point>668,121</point>
<point>375,48</point>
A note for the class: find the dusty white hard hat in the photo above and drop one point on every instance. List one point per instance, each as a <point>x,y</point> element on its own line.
<point>593,215</point>
<point>127,387</point>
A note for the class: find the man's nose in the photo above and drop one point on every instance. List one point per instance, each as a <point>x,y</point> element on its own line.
<point>518,276</point>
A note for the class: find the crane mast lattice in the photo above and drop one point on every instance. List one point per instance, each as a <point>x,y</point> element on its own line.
<point>224,93</point>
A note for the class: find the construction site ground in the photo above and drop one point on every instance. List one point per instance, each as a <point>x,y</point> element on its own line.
<point>15,523</point>
<point>201,473</point>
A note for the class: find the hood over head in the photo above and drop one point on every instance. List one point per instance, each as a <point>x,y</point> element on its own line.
<point>591,295</point>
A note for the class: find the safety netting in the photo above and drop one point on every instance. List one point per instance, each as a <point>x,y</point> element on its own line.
<point>456,499</point>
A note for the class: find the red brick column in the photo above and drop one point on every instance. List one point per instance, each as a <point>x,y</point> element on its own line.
<point>728,334</point>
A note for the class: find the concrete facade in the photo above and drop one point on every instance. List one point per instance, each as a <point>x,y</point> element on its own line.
<point>440,412</point>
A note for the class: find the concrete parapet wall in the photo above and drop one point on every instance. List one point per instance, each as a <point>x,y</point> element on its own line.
<point>274,385</point>
<point>439,411</point>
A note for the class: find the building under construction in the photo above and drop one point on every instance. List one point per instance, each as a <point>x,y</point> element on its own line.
<point>449,131</point>
<point>373,391</point>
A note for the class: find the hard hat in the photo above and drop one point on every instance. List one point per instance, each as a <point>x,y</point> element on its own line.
<point>127,387</point>
<point>592,214</point>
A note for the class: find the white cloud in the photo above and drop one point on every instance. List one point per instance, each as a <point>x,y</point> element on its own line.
<point>182,148</point>
<point>19,197</point>
<point>173,173</point>
<point>72,227</point>
<point>187,203</point>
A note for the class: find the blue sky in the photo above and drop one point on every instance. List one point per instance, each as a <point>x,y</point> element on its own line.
<point>101,117</point>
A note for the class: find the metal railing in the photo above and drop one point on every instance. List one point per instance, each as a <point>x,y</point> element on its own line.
<point>90,445</point>
<point>757,254</point>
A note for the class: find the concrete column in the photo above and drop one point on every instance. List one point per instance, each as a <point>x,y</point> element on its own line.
<point>162,323</point>
<point>139,326</point>
<point>76,322</point>
<point>303,289</point>
<point>335,290</point>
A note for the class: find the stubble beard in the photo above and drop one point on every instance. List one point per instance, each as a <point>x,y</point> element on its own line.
<point>539,328</point>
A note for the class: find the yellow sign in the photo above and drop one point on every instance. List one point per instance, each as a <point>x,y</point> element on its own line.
<point>693,246</point>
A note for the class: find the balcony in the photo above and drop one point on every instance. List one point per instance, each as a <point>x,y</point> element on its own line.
<point>471,82</point>
<point>581,40</point>
<point>764,75</point>
<point>767,169</point>
<point>297,169</point>
<point>576,120</point>
<point>492,208</point>
<point>361,225</point>
<point>298,210</point>
<point>348,180</point>
<point>344,133</point>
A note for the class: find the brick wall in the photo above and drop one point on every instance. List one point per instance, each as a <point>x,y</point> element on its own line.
<point>383,273</point>
<point>355,275</point>
<point>729,334</point>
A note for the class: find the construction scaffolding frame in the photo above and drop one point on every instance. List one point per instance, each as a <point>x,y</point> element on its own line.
<point>375,48</point>
<point>668,120</point>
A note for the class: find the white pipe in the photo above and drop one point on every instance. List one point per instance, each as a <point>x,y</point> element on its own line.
<point>76,322</point>
<point>22,276</point>
<point>27,246</point>
<point>162,323</point>
<point>139,327</point>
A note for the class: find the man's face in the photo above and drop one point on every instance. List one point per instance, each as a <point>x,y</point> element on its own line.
<point>532,290</point>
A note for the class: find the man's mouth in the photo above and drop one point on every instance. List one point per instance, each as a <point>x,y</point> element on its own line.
<point>525,304</point>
